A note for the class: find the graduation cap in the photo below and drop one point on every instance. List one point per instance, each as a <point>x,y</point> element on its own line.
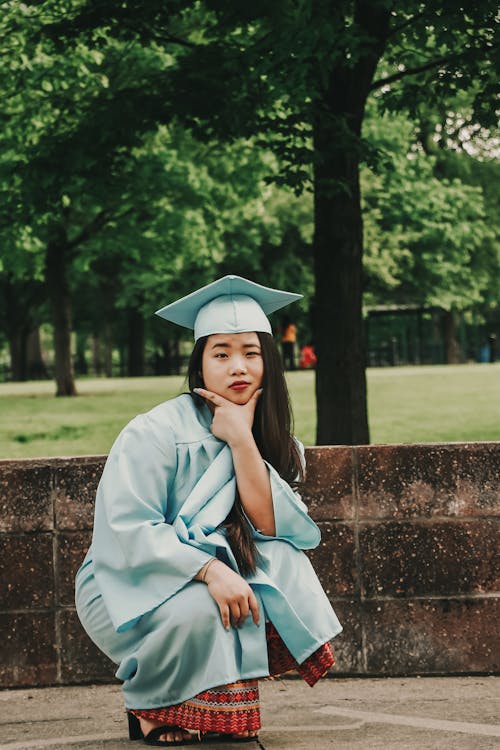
<point>229,305</point>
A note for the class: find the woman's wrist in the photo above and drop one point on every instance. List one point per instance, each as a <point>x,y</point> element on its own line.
<point>214,568</point>
<point>244,440</point>
<point>202,573</point>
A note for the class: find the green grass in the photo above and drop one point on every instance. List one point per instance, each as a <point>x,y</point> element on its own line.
<point>406,405</point>
<point>442,403</point>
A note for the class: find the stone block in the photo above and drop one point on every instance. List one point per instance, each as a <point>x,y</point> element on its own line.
<point>75,485</point>
<point>334,559</point>
<point>440,636</point>
<point>328,489</point>
<point>25,496</point>
<point>28,655</point>
<point>441,558</point>
<point>26,571</point>
<point>348,646</point>
<point>398,481</point>
<point>71,550</point>
<point>81,660</point>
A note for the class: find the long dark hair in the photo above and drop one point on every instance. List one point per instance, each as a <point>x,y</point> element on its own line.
<point>272,431</point>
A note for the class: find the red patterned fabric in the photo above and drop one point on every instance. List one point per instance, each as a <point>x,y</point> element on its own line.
<point>229,709</point>
<point>281,660</point>
<point>235,708</point>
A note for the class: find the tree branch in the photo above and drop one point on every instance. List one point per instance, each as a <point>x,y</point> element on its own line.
<point>168,38</point>
<point>407,23</point>
<point>411,71</point>
<point>97,223</point>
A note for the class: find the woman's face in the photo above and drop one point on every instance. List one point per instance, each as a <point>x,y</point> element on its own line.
<point>232,365</point>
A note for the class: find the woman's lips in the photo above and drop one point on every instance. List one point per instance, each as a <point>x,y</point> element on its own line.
<point>239,386</point>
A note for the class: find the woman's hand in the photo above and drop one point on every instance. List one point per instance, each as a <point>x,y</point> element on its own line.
<point>232,594</point>
<point>231,422</point>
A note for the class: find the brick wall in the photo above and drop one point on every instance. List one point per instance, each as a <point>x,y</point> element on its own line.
<point>409,558</point>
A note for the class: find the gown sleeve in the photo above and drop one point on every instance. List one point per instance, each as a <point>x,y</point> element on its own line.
<point>292,521</point>
<point>139,561</point>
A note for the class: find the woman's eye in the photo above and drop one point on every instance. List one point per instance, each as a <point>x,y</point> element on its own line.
<point>253,354</point>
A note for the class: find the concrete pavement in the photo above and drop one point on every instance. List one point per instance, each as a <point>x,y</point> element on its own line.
<point>414,713</point>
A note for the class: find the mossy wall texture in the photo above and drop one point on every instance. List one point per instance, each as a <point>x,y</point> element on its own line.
<point>409,558</point>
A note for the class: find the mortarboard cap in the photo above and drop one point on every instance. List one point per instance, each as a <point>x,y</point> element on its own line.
<point>229,305</point>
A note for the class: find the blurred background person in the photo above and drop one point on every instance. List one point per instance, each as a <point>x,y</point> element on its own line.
<point>288,339</point>
<point>307,357</point>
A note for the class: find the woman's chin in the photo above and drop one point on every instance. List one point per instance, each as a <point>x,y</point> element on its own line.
<point>240,397</point>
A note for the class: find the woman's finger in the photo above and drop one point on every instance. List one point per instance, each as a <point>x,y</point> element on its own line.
<point>234,608</point>
<point>244,611</point>
<point>251,404</point>
<point>255,397</point>
<point>224,614</point>
<point>209,396</point>
<point>254,607</point>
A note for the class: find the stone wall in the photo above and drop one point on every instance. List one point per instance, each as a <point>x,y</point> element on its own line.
<point>409,559</point>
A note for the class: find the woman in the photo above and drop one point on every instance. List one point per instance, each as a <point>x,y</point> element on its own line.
<point>195,582</point>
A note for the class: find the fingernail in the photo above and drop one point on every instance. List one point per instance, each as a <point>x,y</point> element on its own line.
<point>196,390</point>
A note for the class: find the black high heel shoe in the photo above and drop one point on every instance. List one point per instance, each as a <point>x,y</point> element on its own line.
<point>134,727</point>
<point>153,737</point>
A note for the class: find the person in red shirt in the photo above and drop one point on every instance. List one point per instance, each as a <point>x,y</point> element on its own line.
<point>307,357</point>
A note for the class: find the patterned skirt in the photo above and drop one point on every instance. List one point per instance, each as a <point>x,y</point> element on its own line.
<point>235,708</point>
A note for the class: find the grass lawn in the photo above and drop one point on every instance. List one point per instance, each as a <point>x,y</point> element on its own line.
<point>406,405</point>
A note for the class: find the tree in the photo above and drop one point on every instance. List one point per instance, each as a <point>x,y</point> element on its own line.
<point>425,234</point>
<point>299,75</point>
<point>431,213</point>
<point>145,201</point>
<point>22,297</point>
<point>64,171</point>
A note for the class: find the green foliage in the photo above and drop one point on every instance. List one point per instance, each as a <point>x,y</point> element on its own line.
<point>142,207</point>
<point>86,87</point>
<point>438,50</point>
<point>150,138</point>
<point>427,240</point>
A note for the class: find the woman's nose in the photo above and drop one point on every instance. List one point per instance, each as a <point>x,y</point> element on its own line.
<point>238,365</point>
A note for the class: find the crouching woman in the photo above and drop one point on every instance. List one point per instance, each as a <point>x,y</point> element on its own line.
<point>196,584</point>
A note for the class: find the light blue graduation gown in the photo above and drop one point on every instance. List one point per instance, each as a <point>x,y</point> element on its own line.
<point>167,487</point>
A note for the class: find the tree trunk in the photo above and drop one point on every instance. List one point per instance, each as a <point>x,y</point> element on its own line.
<point>56,276</point>
<point>135,364</point>
<point>36,368</point>
<point>17,351</point>
<point>163,359</point>
<point>97,360</point>
<point>21,301</point>
<point>452,348</point>
<point>338,238</point>
<point>108,348</point>
<point>339,335</point>
<point>17,324</point>
<point>81,365</point>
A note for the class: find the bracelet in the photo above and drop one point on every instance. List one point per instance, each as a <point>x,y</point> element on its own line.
<point>205,569</point>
